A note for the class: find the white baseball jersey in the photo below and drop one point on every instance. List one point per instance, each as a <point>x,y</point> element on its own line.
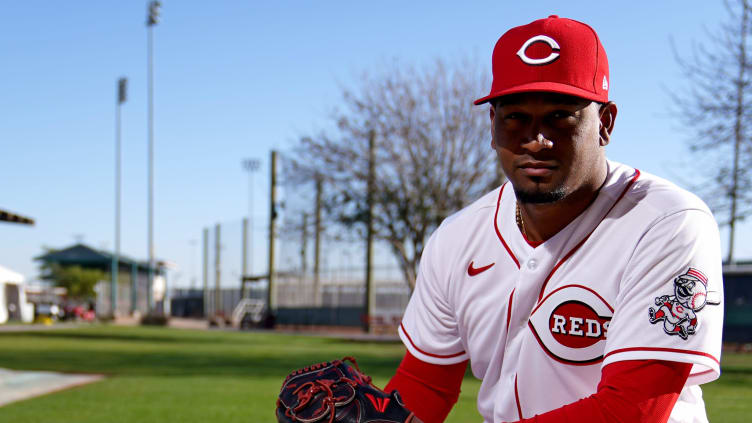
<point>538,324</point>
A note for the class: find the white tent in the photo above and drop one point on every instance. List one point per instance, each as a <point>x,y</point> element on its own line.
<point>7,275</point>
<point>12,284</point>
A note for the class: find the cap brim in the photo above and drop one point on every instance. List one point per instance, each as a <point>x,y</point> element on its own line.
<point>549,87</point>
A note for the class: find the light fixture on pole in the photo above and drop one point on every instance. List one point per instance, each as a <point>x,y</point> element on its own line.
<point>151,20</point>
<point>251,166</point>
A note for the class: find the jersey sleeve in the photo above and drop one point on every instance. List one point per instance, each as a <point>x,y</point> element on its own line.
<point>669,305</point>
<point>429,326</point>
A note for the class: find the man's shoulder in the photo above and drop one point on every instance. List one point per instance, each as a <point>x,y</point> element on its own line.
<point>457,232</point>
<point>656,195</point>
<point>476,212</point>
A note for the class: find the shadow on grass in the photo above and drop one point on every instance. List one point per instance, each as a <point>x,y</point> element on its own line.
<point>167,335</point>
<point>184,363</point>
<point>166,352</point>
<point>105,337</point>
<point>736,370</point>
<point>148,334</point>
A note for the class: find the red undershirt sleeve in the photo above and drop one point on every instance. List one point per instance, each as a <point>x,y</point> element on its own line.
<point>634,391</point>
<point>428,390</point>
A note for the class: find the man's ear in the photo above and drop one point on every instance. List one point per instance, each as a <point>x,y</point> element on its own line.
<point>607,113</point>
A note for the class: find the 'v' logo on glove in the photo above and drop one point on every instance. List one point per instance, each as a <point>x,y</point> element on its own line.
<point>378,403</point>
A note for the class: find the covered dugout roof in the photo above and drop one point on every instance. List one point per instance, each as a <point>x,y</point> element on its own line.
<point>85,256</point>
<point>6,216</point>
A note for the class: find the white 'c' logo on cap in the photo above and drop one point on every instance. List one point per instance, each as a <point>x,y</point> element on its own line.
<point>540,39</point>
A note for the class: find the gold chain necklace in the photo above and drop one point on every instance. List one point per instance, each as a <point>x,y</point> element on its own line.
<point>520,222</point>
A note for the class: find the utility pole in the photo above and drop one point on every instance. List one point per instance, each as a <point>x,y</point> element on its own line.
<point>270,300</point>
<point>151,20</point>
<point>250,166</point>
<point>134,288</point>
<point>317,243</point>
<point>244,261</point>
<point>369,234</point>
<point>206,272</point>
<point>115,267</point>
<point>217,271</point>
<point>193,243</point>
<point>303,245</point>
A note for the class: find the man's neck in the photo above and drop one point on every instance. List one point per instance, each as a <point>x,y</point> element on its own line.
<point>544,220</point>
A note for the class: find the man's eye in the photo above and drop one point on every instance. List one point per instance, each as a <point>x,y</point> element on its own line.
<point>562,119</point>
<point>561,114</point>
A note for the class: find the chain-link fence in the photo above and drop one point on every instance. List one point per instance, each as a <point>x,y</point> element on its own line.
<point>225,259</point>
<point>323,265</point>
<point>131,294</point>
<point>319,270</point>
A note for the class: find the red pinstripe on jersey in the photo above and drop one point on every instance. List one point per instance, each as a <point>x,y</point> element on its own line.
<point>579,244</point>
<point>703,373</point>
<point>509,308</point>
<point>496,227</point>
<point>517,398</point>
<point>407,335</point>
<point>676,350</point>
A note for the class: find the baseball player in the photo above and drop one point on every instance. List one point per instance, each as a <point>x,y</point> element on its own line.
<point>581,290</point>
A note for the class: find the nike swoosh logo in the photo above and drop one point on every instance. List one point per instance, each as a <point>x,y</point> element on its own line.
<point>473,271</point>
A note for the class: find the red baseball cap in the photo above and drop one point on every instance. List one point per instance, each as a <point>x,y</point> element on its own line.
<point>554,55</point>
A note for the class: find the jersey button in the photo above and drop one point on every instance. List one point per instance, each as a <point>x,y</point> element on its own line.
<point>532,264</point>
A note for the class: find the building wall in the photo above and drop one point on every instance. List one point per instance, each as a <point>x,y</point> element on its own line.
<point>27,309</point>
<point>737,307</point>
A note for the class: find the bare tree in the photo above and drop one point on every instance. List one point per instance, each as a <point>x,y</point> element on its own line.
<point>716,106</point>
<point>431,154</point>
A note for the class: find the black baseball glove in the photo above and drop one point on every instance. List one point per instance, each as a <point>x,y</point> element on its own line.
<point>338,392</point>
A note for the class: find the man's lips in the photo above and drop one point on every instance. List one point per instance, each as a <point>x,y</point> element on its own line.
<point>535,168</point>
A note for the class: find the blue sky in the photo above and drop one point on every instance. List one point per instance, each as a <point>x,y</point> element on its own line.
<point>235,79</point>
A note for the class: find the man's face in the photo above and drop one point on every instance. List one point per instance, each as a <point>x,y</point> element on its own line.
<point>545,173</point>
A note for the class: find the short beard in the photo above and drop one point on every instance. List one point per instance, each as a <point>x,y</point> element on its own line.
<point>540,197</point>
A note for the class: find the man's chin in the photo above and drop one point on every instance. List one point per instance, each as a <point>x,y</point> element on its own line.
<point>539,196</point>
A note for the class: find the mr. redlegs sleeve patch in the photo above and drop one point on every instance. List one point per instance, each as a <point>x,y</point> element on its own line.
<point>679,311</point>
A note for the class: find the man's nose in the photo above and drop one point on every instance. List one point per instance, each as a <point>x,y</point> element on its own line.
<point>538,143</point>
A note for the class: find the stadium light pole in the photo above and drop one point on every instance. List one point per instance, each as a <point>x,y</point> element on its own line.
<point>251,166</point>
<point>115,268</point>
<point>151,20</point>
<point>194,247</point>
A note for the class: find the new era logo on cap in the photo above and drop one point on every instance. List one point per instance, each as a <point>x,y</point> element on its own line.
<point>553,55</point>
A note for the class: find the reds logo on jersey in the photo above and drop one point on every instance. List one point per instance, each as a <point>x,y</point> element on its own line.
<point>571,324</point>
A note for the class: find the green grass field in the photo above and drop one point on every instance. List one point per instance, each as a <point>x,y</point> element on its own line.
<point>170,375</point>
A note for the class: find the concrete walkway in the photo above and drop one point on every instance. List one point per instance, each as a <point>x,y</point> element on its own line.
<point>13,327</point>
<point>20,385</point>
